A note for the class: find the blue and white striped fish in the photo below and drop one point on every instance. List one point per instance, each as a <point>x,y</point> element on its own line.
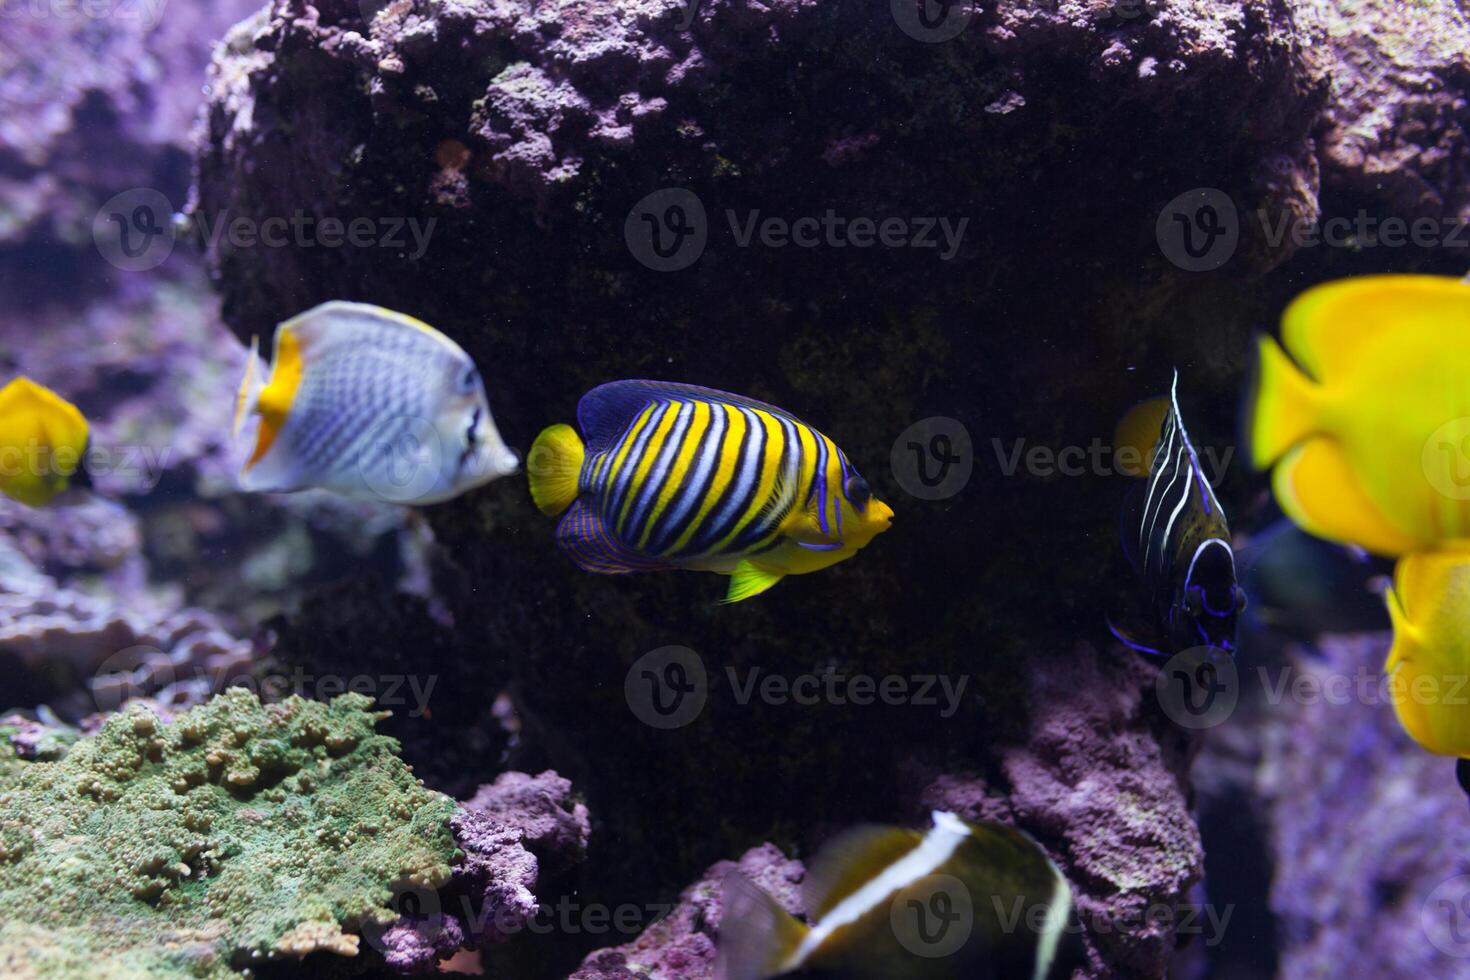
<point>1177,539</point>
<point>369,403</point>
<point>962,901</point>
<point>676,476</point>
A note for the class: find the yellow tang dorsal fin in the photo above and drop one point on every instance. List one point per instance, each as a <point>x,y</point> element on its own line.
<point>851,860</point>
<point>276,398</point>
<point>1137,435</point>
<point>1327,328</point>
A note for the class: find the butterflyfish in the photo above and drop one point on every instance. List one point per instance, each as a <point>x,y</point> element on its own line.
<point>961,901</point>
<point>1176,537</point>
<point>43,443</point>
<point>673,476</point>
<point>371,404</point>
<point>1365,414</point>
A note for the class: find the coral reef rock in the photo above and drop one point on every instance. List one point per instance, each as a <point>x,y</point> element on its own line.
<point>239,833</point>
<point>1390,856</point>
<point>1099,782</point>
<point>681,945</point>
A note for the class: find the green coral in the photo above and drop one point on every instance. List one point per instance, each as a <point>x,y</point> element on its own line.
<point>239,833</point>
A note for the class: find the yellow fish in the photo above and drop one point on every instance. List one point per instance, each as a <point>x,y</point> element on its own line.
<point>43,438</point>
<point>1429,664</point>
<point>1367,421</point>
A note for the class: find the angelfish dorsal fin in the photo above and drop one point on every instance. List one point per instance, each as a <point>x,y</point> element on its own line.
<point>606,411</point>
<point>851,860</point>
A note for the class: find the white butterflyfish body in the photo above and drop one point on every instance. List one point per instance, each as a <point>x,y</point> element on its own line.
<point>372,404</point>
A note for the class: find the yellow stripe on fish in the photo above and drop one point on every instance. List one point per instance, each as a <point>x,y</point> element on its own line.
<point>676,476</point>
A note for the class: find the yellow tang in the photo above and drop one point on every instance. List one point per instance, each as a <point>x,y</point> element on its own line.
<point>1368,420</point>
<point>1429,664</point>
<point>43,438</point>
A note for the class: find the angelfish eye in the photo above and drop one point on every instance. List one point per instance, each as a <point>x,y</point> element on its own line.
<point>857,491</point>
<point>469,380</point>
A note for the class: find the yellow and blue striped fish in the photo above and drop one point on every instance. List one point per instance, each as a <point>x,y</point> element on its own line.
<point>676,476</point>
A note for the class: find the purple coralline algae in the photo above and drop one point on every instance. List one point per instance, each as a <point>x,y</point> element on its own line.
<point>1375,883</point>
<point>682,945</point>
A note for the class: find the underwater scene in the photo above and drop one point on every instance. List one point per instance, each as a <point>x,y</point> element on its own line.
<point>735,489</point>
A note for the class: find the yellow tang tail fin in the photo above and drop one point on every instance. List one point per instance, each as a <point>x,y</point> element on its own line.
<point>250,386</point>
<point>1281,405</point>
<point>555,468</point>
<point>757,936</point>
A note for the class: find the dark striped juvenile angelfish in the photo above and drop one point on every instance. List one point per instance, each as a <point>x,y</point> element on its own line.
<point>1176,537</point>
<point>676,476</point>
<point>962,901</point>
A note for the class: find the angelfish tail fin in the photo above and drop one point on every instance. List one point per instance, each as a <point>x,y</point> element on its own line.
<point>1281,405</point>
<point>250,386</point>
<point>555,468</point>
<point>757,936</point>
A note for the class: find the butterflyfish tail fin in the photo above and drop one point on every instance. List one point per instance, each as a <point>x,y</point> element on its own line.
<point>757,937</point>
<point>748,581</point>
<point>250,385</point>
<point>1281,405</point>
<point>555,468</point>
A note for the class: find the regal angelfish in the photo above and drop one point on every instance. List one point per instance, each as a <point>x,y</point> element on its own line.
<point>676,476</point>
<point>369,403</point>
<point>1177,539</point>
<point>963,901</point>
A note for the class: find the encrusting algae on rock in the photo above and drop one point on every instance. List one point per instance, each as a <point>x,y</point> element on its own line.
<point>239,833</point>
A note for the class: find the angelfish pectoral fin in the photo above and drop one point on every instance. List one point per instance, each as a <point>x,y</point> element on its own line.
<point>747,580</point>
<point>1127,638</point>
